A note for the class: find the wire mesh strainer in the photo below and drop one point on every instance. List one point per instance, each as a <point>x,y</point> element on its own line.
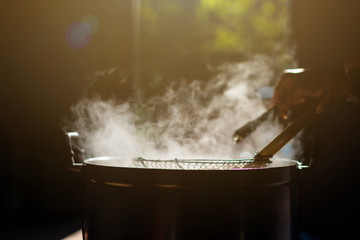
<point>199,164</point>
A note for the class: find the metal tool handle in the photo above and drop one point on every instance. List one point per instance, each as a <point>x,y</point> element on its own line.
<point>77,153</point>
<point>289,132</point>
<point>249,127</point>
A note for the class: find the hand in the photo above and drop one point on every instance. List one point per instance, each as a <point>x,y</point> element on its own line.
<point>298,85</point>
<point>346,90</point>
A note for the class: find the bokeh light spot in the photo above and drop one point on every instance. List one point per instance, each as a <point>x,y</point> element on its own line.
<point>76,35</point>
<point>90,24</point>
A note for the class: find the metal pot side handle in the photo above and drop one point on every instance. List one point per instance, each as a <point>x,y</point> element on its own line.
<point>302,166</point>
<point>310,152</point>
<point>77,153</point>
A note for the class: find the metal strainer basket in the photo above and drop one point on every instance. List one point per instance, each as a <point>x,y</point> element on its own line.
<point>198,164</point>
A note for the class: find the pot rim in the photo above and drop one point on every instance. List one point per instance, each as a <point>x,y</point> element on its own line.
<point>118,162</point>
<point>101,170</point>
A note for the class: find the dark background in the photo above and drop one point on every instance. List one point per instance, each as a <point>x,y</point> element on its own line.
<point>327,33</point>
<point>41,76</point>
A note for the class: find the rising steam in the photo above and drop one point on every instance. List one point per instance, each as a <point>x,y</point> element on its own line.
<point>191,120</point>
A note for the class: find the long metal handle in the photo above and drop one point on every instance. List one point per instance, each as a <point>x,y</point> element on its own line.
<point>249,127</point>
<point>289,132</point>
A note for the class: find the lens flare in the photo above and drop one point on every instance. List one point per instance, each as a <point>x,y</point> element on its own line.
<point>76,36</point>
<point>90,24</point>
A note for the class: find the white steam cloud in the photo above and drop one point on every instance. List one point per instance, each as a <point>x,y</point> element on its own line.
<point>191,120</point>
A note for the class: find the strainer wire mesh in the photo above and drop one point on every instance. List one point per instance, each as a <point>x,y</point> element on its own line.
<point>194,164</point>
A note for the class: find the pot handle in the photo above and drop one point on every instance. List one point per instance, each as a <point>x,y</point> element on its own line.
<point>77,153</point>
<point>310,151</point>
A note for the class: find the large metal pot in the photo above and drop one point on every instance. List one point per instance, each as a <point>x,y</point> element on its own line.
<point>128,201</point>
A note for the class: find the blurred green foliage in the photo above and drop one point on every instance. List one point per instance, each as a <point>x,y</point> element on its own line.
<point>180,38</point>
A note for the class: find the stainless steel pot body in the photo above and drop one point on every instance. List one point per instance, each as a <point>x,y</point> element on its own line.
<point>123,202</point>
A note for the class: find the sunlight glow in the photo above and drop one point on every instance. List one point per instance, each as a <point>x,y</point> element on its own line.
<point>294,70</point>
